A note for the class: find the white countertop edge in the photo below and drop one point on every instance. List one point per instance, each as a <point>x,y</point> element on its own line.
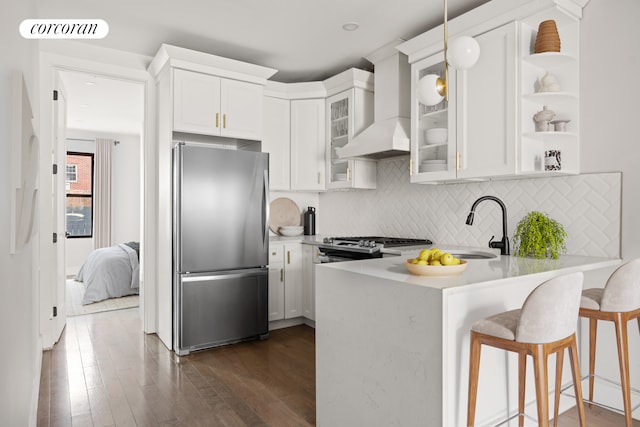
<point>480,272</point>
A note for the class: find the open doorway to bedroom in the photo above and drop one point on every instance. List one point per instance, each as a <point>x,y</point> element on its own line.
<point>104,133</point>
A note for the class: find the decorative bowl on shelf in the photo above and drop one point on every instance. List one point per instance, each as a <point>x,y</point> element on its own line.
<point>291,230</point>
<point>435,135</point>
<point>435,270</point>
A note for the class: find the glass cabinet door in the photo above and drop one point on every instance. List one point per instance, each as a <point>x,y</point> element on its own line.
<point>340,131</point>
<point>433,139</point>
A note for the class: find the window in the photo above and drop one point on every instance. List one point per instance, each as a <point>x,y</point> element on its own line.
<point>72,173</point>
<point>79,184</point>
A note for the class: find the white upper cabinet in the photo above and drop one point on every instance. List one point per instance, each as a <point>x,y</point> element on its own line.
<point>488,121</point>
<point>293,135</point>
<point>276,141</point>
<point>486,127</point>
<point>348,113</point>
<point>307,144</point>
<point>472,135</point>
<point>210,105</point>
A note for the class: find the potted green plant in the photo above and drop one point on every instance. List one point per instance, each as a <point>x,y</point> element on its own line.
<point>539,236</point>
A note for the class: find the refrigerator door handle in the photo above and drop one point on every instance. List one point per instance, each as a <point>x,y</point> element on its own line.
<point>265,208</point>
<point>177,202</point>
<point>221,276</point>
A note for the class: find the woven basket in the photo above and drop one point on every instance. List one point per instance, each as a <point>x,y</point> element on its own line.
<point>548,39</point>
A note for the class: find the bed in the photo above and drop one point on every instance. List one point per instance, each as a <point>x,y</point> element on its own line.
<point>111,272</point>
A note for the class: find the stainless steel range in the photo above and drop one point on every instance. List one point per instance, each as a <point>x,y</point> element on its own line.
<point>336,249</point>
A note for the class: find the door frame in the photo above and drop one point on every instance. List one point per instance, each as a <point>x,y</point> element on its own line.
<point>123,66</point>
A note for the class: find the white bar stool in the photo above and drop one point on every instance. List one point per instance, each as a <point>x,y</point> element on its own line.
<point>545,324</point>
<point>617,302</point>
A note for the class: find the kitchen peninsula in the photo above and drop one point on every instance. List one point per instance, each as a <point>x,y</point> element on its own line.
<point>392,349</point>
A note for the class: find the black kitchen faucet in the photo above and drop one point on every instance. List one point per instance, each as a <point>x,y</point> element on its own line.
<point>503,244</point>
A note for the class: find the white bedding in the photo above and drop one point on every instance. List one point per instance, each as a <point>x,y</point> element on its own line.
<point>110,273</point>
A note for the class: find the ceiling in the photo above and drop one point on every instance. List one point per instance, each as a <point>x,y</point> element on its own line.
<point>103,104</point>
<point>303,39</point>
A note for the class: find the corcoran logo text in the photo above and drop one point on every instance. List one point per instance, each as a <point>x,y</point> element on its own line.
<point>64,28</point>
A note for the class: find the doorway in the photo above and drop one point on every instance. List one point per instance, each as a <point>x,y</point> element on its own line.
<point>108,112</point>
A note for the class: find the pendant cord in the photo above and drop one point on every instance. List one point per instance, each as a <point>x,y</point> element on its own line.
<point>446,62</point>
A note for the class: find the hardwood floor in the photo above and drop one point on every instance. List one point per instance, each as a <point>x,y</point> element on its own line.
<point>105,372</point>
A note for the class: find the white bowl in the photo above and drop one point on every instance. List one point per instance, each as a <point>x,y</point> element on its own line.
<point>436,135</point>
<point>291,230</point>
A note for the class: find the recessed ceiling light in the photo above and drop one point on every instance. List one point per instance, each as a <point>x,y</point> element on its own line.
<point>350,26</point>
<point>89,83</point>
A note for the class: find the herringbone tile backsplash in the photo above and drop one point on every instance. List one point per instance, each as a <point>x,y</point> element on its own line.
<point>587,205</point>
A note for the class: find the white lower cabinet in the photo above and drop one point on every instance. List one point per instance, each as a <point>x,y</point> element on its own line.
<point>308,282</point>
<point>285,281</point>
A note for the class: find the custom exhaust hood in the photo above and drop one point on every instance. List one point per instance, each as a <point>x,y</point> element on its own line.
<point>389,135</point>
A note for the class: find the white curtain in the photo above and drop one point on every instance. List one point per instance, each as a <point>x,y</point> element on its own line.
<point>102,194</point>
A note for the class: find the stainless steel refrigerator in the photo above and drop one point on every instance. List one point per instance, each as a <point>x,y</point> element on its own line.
<point>220,246</point>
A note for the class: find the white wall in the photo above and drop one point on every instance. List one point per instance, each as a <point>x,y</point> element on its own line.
<point>21,358</point>
<point>125,192</point>
<point>609,102</point>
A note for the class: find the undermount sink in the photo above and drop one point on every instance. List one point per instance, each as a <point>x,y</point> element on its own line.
<point>474,255</point>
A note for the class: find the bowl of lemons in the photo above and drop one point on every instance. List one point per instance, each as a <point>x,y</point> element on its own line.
<point>434,262</point>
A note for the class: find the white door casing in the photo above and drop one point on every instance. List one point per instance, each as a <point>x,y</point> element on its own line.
<point>59,207</point>
<point>129,70</point>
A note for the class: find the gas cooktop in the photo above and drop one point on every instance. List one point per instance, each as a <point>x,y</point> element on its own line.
<point>374,241</point>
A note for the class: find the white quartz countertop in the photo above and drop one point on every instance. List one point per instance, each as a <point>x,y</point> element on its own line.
<point>478,271</point>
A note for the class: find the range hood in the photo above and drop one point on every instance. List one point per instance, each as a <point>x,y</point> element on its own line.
<point>389,135</point>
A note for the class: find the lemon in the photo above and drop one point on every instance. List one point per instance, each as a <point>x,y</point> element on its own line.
<point>423,262</point>
<point>447,259</point>
<point>415,260</point>
<point>424,254</point>
<point>435,262</point>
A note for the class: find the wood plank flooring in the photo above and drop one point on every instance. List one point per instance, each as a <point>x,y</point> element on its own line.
<point>105,372</point>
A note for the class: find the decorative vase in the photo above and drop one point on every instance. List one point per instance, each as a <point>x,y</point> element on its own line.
<point>542,119</point>
<point>548,83</point>
<point>548,39</point>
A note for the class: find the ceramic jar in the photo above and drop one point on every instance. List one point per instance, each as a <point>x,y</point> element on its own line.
<point>542,119</point>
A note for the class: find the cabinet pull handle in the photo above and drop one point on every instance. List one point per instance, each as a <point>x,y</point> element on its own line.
<point>457,160</point>
<point>348,174</point>
<point>288,257</point>
<point>282,274</point>
<point>217,120</point>
<point>318,177</point>
<point>410,167</point>
<point>224,120</point>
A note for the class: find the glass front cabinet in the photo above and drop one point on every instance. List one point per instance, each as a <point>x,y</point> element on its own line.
<point>433,132</point>
<point>348,113</point>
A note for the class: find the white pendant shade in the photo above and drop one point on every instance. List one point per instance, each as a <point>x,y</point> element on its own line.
<point>463,52</point>
<point>428,93</point>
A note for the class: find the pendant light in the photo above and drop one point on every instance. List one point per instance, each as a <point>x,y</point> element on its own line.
<point>462,53</point>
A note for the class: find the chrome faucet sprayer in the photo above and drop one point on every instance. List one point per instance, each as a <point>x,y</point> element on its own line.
<point>503,244</point>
